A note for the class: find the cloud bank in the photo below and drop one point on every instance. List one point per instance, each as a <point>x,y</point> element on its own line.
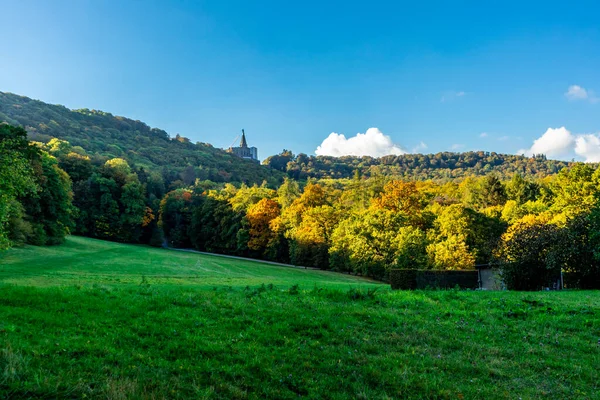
<point>371,143</point>
<point>561,143</point>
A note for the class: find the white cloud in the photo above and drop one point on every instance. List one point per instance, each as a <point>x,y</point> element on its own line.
<point>457,146</point>
<point>420,147</point>
<point>576,92</point>
<point>371,143</point>
<point>483,134</point>
<point>588,147</point>
<point>503,138</point>
<point>555,142</point>
<point>561,143</point>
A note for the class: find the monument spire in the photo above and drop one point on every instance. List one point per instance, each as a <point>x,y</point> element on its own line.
<point>243,141</point>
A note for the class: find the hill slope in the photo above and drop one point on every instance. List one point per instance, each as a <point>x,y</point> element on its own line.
<point>103,134</point>
<point>86,261</point>
<point>73,330</point>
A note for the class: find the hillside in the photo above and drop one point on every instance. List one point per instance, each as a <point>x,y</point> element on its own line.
<point>99,320</point>
<point>107,136</point>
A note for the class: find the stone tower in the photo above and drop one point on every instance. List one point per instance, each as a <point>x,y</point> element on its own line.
<point>243,151</point>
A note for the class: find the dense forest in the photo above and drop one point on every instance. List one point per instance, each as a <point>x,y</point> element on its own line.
<point>531,216</point>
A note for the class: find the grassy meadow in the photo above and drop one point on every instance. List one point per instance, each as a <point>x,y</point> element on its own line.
<point>84,261</point>
<point>92,319</point>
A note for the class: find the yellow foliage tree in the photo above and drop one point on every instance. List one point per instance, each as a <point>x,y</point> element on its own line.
<point>259,217</point>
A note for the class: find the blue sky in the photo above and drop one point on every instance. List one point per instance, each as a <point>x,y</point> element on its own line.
<point>435,74</point>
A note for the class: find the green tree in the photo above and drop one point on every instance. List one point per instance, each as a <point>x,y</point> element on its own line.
<point>288,192</point>
<point>50,211</point>
<point>175,217</point>
<point>532,254</point>
<point>521,190</point>
<point>372,241</point>
<point>574,191</point>
<point>216,227</point>
<point>111,203</point>
<point>16,173</point>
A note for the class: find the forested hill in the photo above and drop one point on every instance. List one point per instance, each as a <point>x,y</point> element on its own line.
<point>445,166</point>
<point>104,136</point>
<point>107,136</point>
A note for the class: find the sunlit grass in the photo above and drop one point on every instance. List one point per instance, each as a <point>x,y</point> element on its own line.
<point>86,261</point>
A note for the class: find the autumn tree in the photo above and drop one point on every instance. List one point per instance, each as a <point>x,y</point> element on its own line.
<point>449,248</point>
<point>312,237</point>
<point>245,196</point>
<point>259,217</point>
<point>302,235</point>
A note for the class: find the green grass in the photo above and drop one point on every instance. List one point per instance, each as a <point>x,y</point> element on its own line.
<point>83,261</point>
<point>88,326</point>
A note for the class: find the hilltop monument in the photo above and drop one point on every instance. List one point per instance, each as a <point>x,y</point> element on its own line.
<point>243,151</point>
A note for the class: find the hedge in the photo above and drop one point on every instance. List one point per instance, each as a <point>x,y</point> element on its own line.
<point>422,279</point>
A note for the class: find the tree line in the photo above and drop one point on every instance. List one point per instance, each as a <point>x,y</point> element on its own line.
<point>533,227</point>
<point>442,167</point>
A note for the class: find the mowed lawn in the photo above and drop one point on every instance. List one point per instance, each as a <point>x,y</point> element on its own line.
<point>92,319</point>
<point>87,261</point>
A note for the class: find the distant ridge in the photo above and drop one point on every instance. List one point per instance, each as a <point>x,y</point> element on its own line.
<point>103,136</point>
<point>444,166</point>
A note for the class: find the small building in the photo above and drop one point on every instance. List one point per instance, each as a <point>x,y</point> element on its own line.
<point>489,277</point>
<point>243,151</point>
